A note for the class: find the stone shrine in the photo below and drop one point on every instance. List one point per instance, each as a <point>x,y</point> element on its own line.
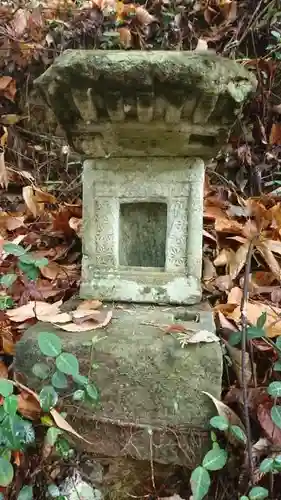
<point>144,123</point>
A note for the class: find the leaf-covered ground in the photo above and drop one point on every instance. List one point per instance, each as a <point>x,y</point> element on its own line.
<point>41,195</point>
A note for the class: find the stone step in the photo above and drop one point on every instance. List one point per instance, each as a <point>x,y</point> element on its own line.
<point>151,399</point>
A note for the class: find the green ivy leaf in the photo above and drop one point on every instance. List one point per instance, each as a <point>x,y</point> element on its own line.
<point>213,437</point>
<point>49,344</point>
<point>13,249</point>
<point>6,387</point>
<point>258,493</point>
<point>26,493</point>
<point>11,404</point>
<point>200,482</point>
<point>14,432</point>
<point>277,463</point>
<point>243,497</point>
<point>4,453</point>
<point>92,392</point>
<point>80,379</point>
<point>267,465</point>
<point>274,389</point>
<point>28,258</point>
<point>278,342</point>
<point>48,398</point>
<point>234,338</point>
<point>262,320</point>
<point>52,435</point>
<point>254,332</point>
<point>59,380</point>
<point>78,395</point>
<point>63,448</point>
<point>277,366</point>
<point>8,279</point>
<point>215,459</point>
<point>67,363</point>
<point>30,270</point>
<point>6,472</point>
<point>276,415</point>
<point>276,35</point>
<point>41,370</point>
<point>6,302</point>
<point>237,432</point>
<point>219,422</point>
<point>53,491</point>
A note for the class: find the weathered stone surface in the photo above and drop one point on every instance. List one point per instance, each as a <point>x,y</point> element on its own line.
<point>132,112</point>
<point>143,230</point>
<point>151,387</point>
<point>158,103</point>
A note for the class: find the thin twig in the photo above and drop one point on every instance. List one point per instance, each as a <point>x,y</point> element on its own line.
<point>243,357</point>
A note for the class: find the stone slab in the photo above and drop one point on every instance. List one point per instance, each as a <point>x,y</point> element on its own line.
<point>151,387</point>
<point>138,254</point>
<point>145,103</point>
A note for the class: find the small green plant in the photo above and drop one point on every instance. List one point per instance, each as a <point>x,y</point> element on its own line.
<point>275,46</point>
<point>26,262</point>
<point>16,434</point>
<point>215,459</point>
<point>60,369</point>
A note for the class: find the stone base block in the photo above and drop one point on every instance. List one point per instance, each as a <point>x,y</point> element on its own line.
<point>152,403</point>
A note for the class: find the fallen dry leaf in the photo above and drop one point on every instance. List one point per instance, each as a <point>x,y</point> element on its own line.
<point>3,370</point>
<point>235,296</point>
<point>20,20</point>
<point>254,311</point>
<point>65,426</point>
<point>143,16</point>
<point>8,87</point>
<point>35,200</point>
<point>89,304</point>
<point>87,325</point>
<point>202,46</point>
<point>223,283</point>
<point>275,135</point>
<point>29,406</point>
<point>76,225</point>
<point>195,338</point>
<point>225,323</point>
<point>237,263</point>
<point>11,222</point>
<point>223,225</point>
<point>4,179</point>
<point>209,270</point>
<point>272,432</point>
<point>54,271</point>
<point>236,358</point>
<point>34,309</point>
<point>269,259</point>
<point>224,257</point>
<point>126,38</point>
<point>31,202</point>
<point>81,315</point>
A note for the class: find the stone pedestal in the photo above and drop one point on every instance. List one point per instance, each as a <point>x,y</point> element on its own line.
<point>143,230</point>
<point>150,386</point>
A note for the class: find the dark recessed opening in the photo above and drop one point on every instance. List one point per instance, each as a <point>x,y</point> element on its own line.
<point>205,140</point>
<point>142,235</point>
<point>187,316</point>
